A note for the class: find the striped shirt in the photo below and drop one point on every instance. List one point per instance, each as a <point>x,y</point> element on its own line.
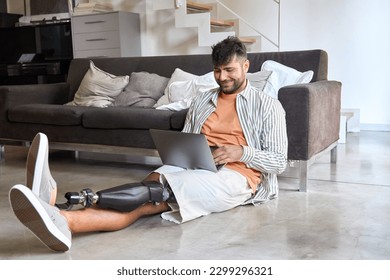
<point>263,123</point>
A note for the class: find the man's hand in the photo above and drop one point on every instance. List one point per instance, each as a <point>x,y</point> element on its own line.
<point>228,153</point>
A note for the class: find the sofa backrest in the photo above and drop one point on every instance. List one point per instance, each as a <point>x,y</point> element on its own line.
<point>316,60</point>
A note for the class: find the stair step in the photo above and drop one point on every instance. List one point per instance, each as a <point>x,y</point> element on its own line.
<point>248,40</point>
<point>221,23</point>
<point>198,6</point>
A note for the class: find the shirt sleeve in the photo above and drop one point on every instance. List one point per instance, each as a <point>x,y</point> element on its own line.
<point>271,156</point>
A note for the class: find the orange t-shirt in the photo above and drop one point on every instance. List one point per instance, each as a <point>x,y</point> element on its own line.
<point>223,128</point>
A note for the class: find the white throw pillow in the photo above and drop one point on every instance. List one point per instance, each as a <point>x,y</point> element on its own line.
<point>283,75</point>
<point>176,106</point>
<point>182,90</point>
<point>181,93</point>
<point>177,75</point>
<point>98,88</point>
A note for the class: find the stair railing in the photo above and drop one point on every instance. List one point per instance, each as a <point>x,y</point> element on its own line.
<point>276,44</point>
<point>178,4</point>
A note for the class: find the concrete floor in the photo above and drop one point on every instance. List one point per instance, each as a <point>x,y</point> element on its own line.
<point>344,216</point>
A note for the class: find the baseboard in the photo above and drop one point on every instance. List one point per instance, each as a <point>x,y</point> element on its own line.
<point>374,127</point>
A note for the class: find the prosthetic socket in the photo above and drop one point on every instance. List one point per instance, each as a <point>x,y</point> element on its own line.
<point>123,198</point>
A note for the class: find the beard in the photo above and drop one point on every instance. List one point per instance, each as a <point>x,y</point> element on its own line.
<point>229,88</point>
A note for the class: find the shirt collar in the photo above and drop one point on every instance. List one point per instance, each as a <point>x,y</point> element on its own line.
<point>243,93</point>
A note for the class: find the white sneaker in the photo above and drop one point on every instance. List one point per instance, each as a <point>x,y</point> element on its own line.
<point>43,219</point>
<point>38,176</point>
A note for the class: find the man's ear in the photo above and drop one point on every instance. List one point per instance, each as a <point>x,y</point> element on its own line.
<point>246,65</point>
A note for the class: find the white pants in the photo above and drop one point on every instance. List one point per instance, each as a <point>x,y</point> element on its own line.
<point>201,192</point>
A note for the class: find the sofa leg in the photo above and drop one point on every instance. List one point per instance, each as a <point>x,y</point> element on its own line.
<point>2,150</point>
<point>333,155</point>
<point>303,171</point>
<point>77,156</point>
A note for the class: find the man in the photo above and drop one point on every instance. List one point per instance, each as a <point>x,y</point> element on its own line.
<point>248,127</point>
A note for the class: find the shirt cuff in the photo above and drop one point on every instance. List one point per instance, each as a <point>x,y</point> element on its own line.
<point>248,154</point>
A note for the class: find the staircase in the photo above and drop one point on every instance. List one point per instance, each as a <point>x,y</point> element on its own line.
<point>191,14</point>
<point>211,28</point>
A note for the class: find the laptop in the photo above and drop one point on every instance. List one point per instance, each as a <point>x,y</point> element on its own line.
<point>186,150</point>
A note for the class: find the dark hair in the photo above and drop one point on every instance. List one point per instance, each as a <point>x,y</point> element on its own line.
<point>224,51</point>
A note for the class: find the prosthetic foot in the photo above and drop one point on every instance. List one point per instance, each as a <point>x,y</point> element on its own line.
<point>123,198</point>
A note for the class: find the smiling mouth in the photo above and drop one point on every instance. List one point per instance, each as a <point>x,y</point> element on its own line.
<point>225,83</point>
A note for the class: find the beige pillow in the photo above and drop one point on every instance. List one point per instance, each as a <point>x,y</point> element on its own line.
<point>98,88</point>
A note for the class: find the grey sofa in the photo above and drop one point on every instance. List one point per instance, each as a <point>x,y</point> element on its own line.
<point>312,110</point>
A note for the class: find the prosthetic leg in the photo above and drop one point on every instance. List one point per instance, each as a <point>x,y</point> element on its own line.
<point>123,198</point>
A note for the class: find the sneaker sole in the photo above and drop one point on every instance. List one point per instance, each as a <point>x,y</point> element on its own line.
<point>31,213</point>
<point>35,163</point>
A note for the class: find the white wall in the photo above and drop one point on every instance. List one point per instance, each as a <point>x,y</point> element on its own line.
<point>356,35</point>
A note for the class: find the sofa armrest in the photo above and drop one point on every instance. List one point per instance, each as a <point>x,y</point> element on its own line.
<point>312,117</point>
<point>38,93</point>
<point>178,119</point>
<point>31,94</point>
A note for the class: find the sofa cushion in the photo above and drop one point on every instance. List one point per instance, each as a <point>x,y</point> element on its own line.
<point>46,114</point>
<point>127,118</point>
<point>143,90</point>
<point>99,88</point>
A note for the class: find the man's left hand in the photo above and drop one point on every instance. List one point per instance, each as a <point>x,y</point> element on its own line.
<point>228,153</point>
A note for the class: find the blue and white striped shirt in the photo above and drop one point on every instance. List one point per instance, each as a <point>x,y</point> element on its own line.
<point>263,122</point>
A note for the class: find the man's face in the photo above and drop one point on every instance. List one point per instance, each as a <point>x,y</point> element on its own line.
<point>231,77</point>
